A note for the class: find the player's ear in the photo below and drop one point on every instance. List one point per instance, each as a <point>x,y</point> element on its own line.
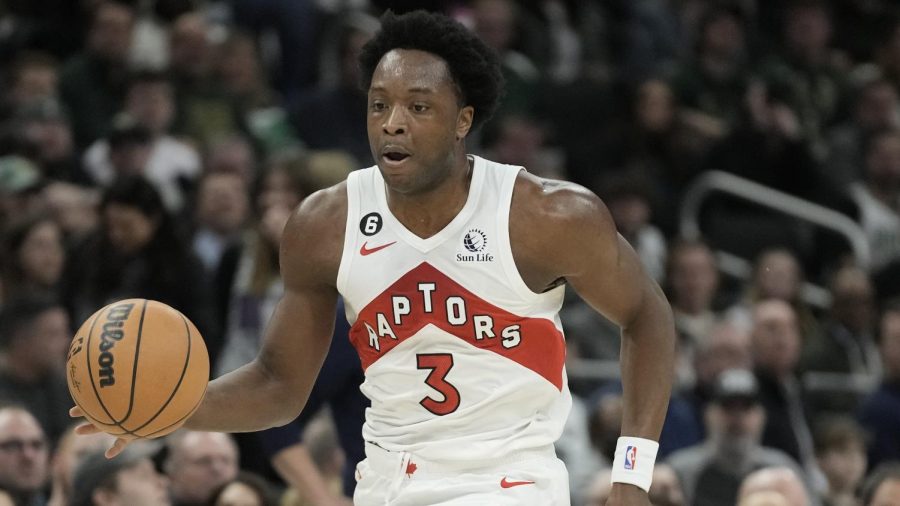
<point>464,121</point>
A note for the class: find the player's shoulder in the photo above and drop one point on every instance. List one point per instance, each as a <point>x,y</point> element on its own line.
<point>555,202</point>
<point>321,209</point>
<point>314,234</point>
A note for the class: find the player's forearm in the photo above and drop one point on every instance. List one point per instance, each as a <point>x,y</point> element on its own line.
<point>248,399</point>
<point>647,363</point>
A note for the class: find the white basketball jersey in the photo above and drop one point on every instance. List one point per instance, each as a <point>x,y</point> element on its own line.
<point>462,361</point>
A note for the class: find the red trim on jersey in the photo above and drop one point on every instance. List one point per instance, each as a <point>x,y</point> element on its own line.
<point>541,348</point>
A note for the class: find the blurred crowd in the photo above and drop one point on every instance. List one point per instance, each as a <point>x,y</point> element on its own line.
<point>154,148</point>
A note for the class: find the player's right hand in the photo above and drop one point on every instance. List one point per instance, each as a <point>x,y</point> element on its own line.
<point>89,428</point>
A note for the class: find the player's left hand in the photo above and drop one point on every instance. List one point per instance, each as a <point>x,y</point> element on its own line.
<point>623,494</point>
<point>89,428</point>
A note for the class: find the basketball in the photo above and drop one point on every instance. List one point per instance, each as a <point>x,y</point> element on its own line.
<point>137,368</point>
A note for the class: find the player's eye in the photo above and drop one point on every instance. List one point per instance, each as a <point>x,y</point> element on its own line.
<point>420,107</point>
<point>378,106</point>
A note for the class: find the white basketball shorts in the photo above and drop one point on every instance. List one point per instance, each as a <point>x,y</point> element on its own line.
<point>534,477</point>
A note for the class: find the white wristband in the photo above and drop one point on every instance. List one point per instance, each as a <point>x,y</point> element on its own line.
<point>633,461</point>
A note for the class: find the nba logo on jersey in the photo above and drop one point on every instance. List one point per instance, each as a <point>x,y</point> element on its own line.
<point>630,457</point>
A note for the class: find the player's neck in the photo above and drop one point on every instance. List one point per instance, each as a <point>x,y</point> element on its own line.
<point>427,213</point>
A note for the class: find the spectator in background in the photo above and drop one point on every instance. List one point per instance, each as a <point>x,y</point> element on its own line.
<point>259,106</point>
<point>20,187</point>
<point>806,69</point>
<point>232,154</point>
<point>222,207</point>
<point>692,282</point>
<point>713,81</point>
<point>711,472</point>
<point>887,55</point>
<point>653,39</point>
<point>883,486</point>
<point>880,413</point>
<point>92,84</point>
<point>73,207</point>
<point>136,252</point>
<point>197,464</point>
<point>841,454</point>
<point>496,22</point>
<point>320,476</point>
<point>170,164</point>
<point>766,147</point>
<point>35,336</point>
<point>46,132</point>
<point>294,24</point>
<point>205,113</point>
<point>783,480</point>
<point>130,479</point>
<point>237,64</point>
<point>776,345</point>
<point>877,198</point>
<point>521,140</point>
<point>656,136</point>
<point>34,79</point>
<point>221,214</point>
<point>130,147</point>
<point>875,109</point>
<point>24,455</point>
<point>725,347</point>
<point>246,489</point>
<point>71,450</point>
<point>777,274</point>
<point>327,117</point>
<point>628,195</point>
<point>847,342</point>
<point>34,255</point>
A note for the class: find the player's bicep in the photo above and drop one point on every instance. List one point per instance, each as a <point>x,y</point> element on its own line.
<point>299,333</point>
<point>605,271</point>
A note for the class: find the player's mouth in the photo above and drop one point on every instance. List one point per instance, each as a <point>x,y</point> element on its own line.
<point>394,155</point>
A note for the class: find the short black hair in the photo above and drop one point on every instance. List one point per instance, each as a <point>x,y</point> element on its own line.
<point>20,312</point>
<point>474,67</point>
<point>137,192</point>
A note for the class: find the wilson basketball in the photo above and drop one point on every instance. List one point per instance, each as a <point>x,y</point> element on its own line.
<point>137,368</point>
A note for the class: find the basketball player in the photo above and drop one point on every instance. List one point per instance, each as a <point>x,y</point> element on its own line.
<point>452,269</point>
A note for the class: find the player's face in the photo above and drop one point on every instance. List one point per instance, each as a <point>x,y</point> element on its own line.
<point>415,120</point>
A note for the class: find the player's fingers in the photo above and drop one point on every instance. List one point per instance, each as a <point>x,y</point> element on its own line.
<point>116,448</point>
<point>75,412</point>
<point>86,429</point>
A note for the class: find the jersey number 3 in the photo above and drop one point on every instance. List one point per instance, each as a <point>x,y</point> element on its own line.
<point>439,364</point>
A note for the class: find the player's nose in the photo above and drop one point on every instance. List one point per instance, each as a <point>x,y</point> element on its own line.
<point>395,121</point>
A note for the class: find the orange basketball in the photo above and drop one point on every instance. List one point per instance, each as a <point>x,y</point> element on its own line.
<point>137,368</point>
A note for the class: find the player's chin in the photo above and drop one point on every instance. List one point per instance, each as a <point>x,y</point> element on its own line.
<point>399,179</point>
